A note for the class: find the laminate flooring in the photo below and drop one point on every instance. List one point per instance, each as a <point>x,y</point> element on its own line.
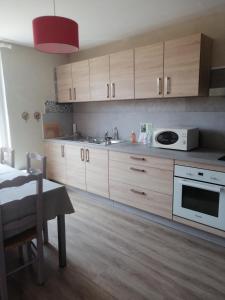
<point>113,254</point>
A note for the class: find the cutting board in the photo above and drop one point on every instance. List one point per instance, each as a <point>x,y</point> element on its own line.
<point>51,130</point>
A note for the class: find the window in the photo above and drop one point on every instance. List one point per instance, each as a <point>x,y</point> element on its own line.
<point>5,140</point>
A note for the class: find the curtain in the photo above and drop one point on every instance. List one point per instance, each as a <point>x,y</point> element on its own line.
<point>5,140</point>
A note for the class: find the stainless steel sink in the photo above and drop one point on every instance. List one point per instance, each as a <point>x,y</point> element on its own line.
<point>91,140</point>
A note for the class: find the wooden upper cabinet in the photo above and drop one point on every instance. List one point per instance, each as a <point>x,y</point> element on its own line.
<point>149,71</point>
<point>99,78</point>
<point>122,75</point>
<point>187,66</point>
<point>80,78</point>
<point>64,83</point>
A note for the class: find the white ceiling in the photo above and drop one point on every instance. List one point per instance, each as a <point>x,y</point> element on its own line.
<point>100,21</point>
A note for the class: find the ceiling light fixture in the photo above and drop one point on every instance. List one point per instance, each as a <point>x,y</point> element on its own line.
<point>54,34</point>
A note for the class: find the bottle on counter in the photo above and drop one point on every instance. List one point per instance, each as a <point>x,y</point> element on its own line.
<point>133,138</point>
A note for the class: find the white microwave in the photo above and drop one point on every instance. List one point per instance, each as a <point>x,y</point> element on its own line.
<point>176,138</point>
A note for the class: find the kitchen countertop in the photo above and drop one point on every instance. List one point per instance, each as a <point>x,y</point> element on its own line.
<point>200,155</point>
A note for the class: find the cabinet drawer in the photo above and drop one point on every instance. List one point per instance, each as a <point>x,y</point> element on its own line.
<point>140,198</point>
<point>150,178</point>
<point>142,160</point>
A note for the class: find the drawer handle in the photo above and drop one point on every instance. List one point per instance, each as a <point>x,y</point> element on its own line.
<point>82,154</point>
<point>87,155</point>
<point>62,151</point>
<point>137,192</point>
<point>137,158</point>
<point>137,170</point>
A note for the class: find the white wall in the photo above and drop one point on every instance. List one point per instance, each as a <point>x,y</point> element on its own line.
<point>29,81</point>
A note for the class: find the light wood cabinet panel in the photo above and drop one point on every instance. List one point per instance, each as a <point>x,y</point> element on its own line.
<point>184,61</point>
<point>142,160</point>
<point>193,164</point>
<point>55,154</point>
<point>141,198</point>
<point>75,166</point>
<point>80,76</point>
<point>122,75</point>
<point>149,71</point>
<point>97,180</point>
<point>199,226</point>
<point>64,83</point>
<point>148,178</point>
<point>99,78</point>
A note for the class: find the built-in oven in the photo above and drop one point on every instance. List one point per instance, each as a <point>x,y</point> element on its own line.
<point>199,195</point>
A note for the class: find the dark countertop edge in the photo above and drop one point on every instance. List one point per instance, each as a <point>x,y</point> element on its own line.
<point>200,155</point>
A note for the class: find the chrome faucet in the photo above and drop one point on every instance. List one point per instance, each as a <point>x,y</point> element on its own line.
<point>107,138</point>
<point>115,134</point>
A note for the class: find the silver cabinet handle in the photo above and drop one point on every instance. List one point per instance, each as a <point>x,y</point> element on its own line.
<point>107,90</point>
<point>87,155</point>
<point>74,93</point>
<point>113,88</point>
<point>137,158</point>
<point>70,91</point>
<point>137,192</point>
<point>168,85</point>
<point>62,151</point>
<point>82,154</point>
<point>137,170</point>
<point>159,85</point>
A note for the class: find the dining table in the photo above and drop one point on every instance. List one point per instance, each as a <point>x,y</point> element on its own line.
<point>16,203</point>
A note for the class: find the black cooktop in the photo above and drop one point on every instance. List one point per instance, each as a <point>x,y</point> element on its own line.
<point>222,158</point>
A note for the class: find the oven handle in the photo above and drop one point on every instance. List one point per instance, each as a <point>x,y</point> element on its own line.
<point>203,186</point>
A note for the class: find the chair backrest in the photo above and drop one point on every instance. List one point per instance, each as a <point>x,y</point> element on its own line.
<point>24,222</point>
<point>7,156</point>
<point>38,158</point>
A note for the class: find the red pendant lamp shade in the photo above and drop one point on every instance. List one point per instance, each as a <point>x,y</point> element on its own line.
<point>53,34</point>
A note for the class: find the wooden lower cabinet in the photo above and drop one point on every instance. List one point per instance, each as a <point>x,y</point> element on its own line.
<point>75,166</point>
<point>143,182</point>
<point>150,201</point>
<point>148,178</point>
<point>80,167</point>
<point>55,154</point>
<point>97,178</point>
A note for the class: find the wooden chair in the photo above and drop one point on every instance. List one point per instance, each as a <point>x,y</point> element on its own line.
<point>26,237</point>
<point>42,160</point>
<point>7,156</point>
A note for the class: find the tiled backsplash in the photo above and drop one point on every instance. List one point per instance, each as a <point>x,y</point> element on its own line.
<point>206,113</point>
<point>54,107</point>
<point>60,115</point>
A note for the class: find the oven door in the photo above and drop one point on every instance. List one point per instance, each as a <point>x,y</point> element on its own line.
<point>200,202</point>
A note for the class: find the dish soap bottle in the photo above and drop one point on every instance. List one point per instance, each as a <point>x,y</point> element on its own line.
<point>133,138</point>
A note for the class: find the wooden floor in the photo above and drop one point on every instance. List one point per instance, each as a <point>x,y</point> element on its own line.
<point>113,254</point>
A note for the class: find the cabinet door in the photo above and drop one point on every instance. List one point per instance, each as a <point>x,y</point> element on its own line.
<point>149,71</point>
<point>97,171</point>
<point>99,78</point>
<point>75,166</point>
<point>55,154</point>
<point>64,83</point>
<point>80,75</point>
<point>181,66</point>
<point>122,75</point>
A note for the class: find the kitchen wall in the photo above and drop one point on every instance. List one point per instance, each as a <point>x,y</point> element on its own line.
<point>207,113</point>
<point>29,81</point>
<point>212,25</point>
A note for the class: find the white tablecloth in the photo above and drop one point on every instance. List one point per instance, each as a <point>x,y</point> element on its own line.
<point>55,199</point>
